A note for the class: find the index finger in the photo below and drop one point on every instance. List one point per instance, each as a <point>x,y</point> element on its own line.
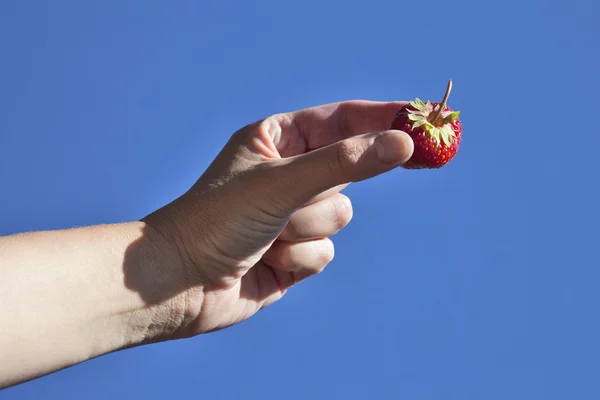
<point>312,128</point>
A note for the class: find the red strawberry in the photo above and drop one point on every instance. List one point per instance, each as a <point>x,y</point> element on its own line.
<point>436,131</point>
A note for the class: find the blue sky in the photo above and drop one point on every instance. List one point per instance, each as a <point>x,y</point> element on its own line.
<point>476,281</point>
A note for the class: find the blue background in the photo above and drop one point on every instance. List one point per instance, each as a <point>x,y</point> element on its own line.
<point>476,281</point>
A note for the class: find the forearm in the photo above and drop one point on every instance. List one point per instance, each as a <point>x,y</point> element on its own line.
<point>68,296</point>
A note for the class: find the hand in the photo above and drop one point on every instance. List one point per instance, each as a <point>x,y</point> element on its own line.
<point>259,219</point>
<point>257,222</point>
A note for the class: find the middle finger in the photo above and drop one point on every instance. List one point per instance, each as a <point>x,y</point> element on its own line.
<point>318,220</point>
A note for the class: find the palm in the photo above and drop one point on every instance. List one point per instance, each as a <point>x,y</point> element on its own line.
<point>260,286</point>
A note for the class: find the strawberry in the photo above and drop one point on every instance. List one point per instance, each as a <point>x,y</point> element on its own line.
<point>435,129</point>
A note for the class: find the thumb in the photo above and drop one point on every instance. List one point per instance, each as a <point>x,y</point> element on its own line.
<point>302,177</point>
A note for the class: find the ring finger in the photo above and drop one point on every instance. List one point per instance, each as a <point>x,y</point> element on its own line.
<point>300,259</point>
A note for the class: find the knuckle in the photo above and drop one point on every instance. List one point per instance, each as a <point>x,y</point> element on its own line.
<point>345,118</point>
<point>348,154</point>
<point>269,125</point>
<point>251,130</point>
<point>271,130</point>
<point>292,229</point>
<point>267,130</point>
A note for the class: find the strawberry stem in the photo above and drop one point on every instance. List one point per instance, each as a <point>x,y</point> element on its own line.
<point>436,114</point>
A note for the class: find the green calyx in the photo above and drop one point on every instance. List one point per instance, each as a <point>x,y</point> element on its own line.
<point>436,122</point>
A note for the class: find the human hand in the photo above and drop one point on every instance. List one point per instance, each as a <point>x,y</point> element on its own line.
<point>259,219</point>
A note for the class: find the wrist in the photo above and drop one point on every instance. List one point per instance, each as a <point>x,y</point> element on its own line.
<point>153,271</point>
<point>167,284</point>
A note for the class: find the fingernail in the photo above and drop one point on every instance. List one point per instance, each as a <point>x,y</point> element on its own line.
<point>394,147</point>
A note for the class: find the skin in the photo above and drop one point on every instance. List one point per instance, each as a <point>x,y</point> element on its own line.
<point>257,222</point>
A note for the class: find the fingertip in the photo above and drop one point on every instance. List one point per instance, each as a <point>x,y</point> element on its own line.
<point>394,147</point>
